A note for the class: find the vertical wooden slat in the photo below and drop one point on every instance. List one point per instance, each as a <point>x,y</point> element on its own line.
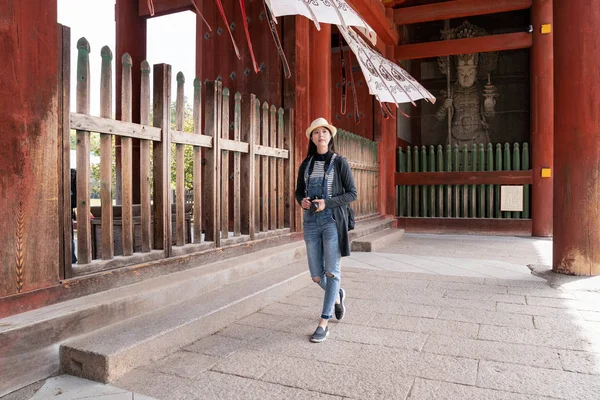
<point>456,191</point>
<point>465,195</point>
<point>145,160</point>
<point>197,117</point>
<point>106,155</point>
<point>127,159</point>
<point>497,212</point>
<point>179,165</point>
<point>473,189</point>
<point>225,167</point>
<point>272,198</point>
<point>248,166</point>
<point>409,199</point>
<point>448,210</point>
<point>280,171</point>
<point>289,169</point>
<point>161,150</point>
<point>489,213</point>
<point>211,179</point>
<point>257,168</point>
<point>237,122</point>
<point>507,167</point>
<point>64,90</point>
<point>400,188</point>
<point>264,194</point>
<point>432,212</point>
<point>440,188</point>
<point>417,188</point>
<point>84,253</point>
<point>516,167</point>
<point>481,188</point>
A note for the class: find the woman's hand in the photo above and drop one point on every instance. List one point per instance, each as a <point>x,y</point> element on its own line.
<point>305,203</point>
<point>321,203</point>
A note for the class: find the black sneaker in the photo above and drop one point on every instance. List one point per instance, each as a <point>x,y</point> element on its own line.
<point>340,309</point>
<point>320,335</point>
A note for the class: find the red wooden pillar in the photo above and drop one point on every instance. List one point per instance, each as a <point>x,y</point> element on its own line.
<point>387,137</point>
<point>576,248</point>
<point>296,88</point>
<point>319,72</point>
<point>542,123</point>
<point>30,194</point>
<point>130,38</point>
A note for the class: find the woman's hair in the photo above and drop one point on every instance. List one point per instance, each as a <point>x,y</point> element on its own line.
<point>312,148</point>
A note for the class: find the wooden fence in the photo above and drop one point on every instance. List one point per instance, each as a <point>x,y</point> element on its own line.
<point>242,169</point>
<point>362,155</point>
<point>458,183</point>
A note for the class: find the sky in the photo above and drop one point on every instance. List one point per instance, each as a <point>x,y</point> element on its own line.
<point>171,39</point>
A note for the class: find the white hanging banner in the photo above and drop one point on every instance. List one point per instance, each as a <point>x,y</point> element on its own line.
<point>387,81</point>
<point>334,12</point>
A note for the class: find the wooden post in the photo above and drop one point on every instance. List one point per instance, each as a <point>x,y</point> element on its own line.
<point>127,159</point>
<point>289,168</point>
<point>576,249</point>
<point>237,126</point>
<point>247,188</point>
<point>64,172</point>
<point>264,160</point>
<point>542,126</point>
<point>146,224</point>
<point>179,165</point>
<point>84,247</point>
<point>272,196</point>
<point>108,250</point>
<point>161,165</point>
<point>211,178</point>
<point>280,171</point>
<point>225,167</point>
<point>197,116</point>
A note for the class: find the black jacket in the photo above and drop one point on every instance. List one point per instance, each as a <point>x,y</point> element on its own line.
<point>344,192</point>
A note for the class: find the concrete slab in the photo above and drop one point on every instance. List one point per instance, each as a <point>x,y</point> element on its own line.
<point>319,376</point>
<point>538,381</point>
<point>425,389</point>
<point>493,351</point>
<point>66,387</point>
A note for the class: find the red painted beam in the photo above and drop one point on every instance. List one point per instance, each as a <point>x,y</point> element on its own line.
<point>456,9</point>
<point>465,178</point>
<point>506,41</point>
<point>165,7</point>
<point>373,12</point>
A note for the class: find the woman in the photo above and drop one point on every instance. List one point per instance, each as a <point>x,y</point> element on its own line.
<point>325,187</point>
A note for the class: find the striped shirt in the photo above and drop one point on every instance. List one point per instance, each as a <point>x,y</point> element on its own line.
<point>318,172</point>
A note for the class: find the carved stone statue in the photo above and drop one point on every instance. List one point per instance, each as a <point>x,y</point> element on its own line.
<point>468,108</point>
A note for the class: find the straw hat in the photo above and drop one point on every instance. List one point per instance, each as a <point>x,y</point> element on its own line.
<point>319,122</point>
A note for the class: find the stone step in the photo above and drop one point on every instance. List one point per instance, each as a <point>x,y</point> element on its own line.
<point>107,354</point>
<point>21,334</point>
<point>378,240</point>
<point>370,226</point>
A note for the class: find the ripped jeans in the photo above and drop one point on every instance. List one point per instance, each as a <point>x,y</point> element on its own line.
<point>324,257</point>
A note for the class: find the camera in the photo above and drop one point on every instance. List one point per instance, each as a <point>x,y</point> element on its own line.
<point>314,206</point>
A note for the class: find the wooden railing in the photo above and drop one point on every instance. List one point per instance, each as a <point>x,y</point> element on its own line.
<point>461,184</point>
<point>362,155</point>
<point>261,188</point>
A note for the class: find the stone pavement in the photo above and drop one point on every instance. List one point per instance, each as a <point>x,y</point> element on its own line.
<point>430,317</point>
